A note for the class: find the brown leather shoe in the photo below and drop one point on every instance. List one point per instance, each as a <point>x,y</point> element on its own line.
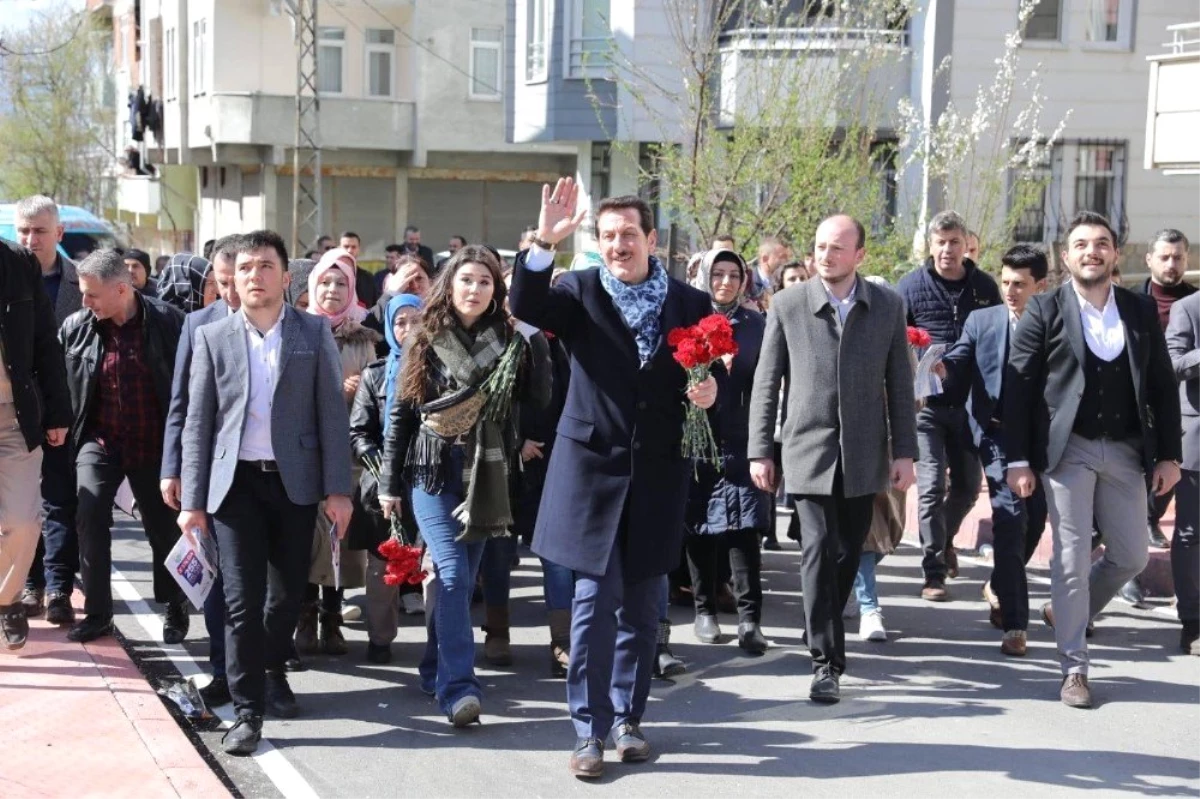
<point>1014,644</point>
<point>587,761</point>
<point>934,591</point>
<point>951,558</point>
<point>1075,691</point>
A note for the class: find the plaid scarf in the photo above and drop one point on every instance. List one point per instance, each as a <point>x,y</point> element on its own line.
<point>182,281</point>
<point>465,367</point>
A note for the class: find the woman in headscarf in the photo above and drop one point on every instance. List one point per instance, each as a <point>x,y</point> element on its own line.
<point>182,281</point>
<point>368,422</point>
<point>297,291</point>
<point>725,509</point>
<point>331,294</point>
<point>452,437</point>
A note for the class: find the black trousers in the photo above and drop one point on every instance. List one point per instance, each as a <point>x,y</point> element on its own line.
<point>99,474</point>
<point>832,532</point>
<point>705,554</point>
<point>1185,546</point>
<point>264,540</point>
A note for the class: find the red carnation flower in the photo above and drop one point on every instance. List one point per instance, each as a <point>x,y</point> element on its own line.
<point>676,336</point>
<point>918,337</point>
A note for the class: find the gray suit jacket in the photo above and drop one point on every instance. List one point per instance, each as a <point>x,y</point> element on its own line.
<point>70,298</point>
<point>177,412</point>
<point>310,426</point>
<point>1183,342</point>
<point>848,389</point>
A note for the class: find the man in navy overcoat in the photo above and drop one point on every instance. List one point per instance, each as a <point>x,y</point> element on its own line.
<point>617,483</point>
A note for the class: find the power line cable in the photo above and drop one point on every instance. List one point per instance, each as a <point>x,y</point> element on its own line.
<point>5,50</point>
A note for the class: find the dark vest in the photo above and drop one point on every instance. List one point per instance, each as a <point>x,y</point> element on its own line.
<point>1108,408</point>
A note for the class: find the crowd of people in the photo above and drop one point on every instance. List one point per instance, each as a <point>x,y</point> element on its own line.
<point>303,413</point>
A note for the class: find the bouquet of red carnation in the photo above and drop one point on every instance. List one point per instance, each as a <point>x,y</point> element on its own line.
<point>695,349</point>
<point>918,338</point>
<point>403,563</point>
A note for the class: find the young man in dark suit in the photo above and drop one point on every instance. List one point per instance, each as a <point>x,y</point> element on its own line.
<point>976,364</point>
<point>1098,412</point>
<point>1183,342</point>
<point>613,505</point>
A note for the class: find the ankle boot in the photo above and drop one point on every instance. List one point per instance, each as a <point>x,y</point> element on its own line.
<point>496,648</point>
<point>332,641</point>
<point>306,629</point>
<point>560,642</point>
<point>665,663</point>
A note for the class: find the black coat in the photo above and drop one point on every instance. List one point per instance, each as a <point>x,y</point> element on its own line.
<point>1046,370</point>
<point>727,500</point>
<point>617,465</point>
<point>84,348</point>
<point>32,355</point>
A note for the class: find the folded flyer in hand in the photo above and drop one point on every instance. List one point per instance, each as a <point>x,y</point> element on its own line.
<point>335,550</point>
<point>926,383</point>
<point>194,567</point>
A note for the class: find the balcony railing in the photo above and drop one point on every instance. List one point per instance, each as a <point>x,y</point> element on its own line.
<point>817,37</point>
<point>588,57</point>
<point>1185,38</point>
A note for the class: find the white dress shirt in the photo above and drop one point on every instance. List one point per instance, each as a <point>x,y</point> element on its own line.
<point>842,306</point>
<point>262,352</point>
<point>1103,330</point>
<point>537,259</point>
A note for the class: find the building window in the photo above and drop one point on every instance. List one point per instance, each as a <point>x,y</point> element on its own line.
<point>883,164</point>
<point>590,39</point>
<point>199,56</point>
<point>536,40</point>
<point>485,63</point>
<point>1109,22</point>
<point>1045,24</point>
<point>331,47</point>
<point>169,64</point>
<point>1100,181</point>
<point>1038,190</point>
<point>381,59</point>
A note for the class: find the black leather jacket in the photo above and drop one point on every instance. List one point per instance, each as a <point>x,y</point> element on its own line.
<point>32,355</point>
<point>83,348</point>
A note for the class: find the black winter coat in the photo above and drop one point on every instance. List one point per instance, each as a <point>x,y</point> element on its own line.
<point>32,355</point>
<point>83,347</point>
<point>728,500</point>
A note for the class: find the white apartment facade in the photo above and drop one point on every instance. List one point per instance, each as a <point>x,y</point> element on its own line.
<point>411,121</point>
<point>1091,56</point>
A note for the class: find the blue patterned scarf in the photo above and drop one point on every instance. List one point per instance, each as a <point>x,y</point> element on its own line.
<point>395,349</point>
<point>640,305</point>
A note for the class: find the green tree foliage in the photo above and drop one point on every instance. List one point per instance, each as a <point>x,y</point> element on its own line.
<point>55,132</point>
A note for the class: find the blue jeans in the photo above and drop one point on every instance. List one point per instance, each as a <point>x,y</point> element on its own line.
<point>56,559</point>
<point>864,582</point>
<point>558,585</point>
<point>457,564</point>
<point>496,568</point>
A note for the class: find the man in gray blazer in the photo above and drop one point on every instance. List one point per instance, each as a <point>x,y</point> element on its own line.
<point>843,343</point>
<point>1183,342</point>
<point>267,439</point>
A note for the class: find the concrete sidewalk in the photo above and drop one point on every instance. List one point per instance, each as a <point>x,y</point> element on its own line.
<point>81,721</point>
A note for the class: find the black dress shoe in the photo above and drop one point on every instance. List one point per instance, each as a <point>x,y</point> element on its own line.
<point>91,628</point>
<point>771,545</point>
<point>1189,638</point>
<point>379,653</point>
<point>1157,539</point>
<point>243,737</point>
<point>281,702</point>
<point>34,602</point>
<point>587,761</point>
<point>176,622</point>
<point>750,638</point>
<point>706,628</point>
<point>1131,593</point>
<point>216,693</point>
<point>14,626</point>
<point>825,689</point>
<point>631,744</point>
<point>59,610</point>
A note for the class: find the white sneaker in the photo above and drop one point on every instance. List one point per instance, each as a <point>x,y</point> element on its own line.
<point>851,610</point>
<point>871,628</point>
<point>351,612</point>
<point>465,712</point>
<point>412,604</point>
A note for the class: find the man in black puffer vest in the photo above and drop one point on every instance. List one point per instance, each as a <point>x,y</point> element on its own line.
<point>939,296</point>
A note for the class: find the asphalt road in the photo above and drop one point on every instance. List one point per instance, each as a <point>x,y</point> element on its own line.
<point>935,711</point>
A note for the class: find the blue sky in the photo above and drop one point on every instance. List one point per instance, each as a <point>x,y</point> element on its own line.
<point>17,13</point>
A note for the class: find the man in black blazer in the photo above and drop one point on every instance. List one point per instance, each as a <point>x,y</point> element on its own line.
<point>1100,411</point>
<point>976,364</point>
<point>613,505</point>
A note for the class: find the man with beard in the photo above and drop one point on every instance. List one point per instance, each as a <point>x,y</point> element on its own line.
<point>1100,413</point>
<point>1168,263</point>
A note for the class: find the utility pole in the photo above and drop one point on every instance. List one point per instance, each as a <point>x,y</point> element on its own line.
<point>306,155</point>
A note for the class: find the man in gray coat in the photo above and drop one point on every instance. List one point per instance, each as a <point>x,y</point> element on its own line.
<point>1183,342</point>
<point>843,343</point>
<point>267,439</point>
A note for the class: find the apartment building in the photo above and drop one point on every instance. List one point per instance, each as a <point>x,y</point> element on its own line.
<point>1091,56</point>
<point>411,120</point>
